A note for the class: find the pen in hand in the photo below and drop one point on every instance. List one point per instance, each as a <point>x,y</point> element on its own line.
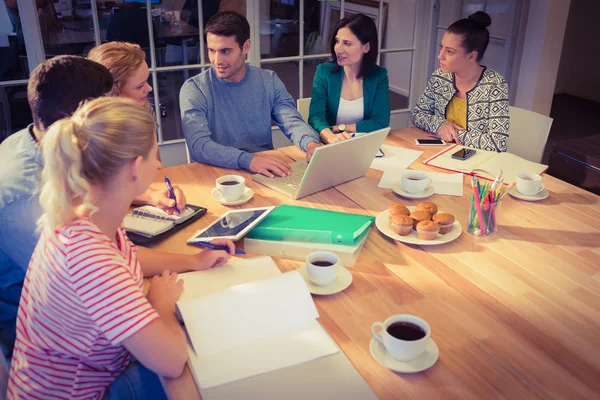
<point>213,246</point>
<point>172,194</point>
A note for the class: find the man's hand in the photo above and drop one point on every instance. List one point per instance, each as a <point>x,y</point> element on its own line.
<point>161,199</point>
<point>269,166</point>
<point>310,149</point>
<point>449,132</point>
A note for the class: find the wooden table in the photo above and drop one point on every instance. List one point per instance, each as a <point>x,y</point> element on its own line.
<point>515,315</point>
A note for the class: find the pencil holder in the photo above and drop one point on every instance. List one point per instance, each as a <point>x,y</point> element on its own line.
<point>483,216</point>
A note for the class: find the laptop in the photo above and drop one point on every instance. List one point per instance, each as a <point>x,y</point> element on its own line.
<point>329,166</point>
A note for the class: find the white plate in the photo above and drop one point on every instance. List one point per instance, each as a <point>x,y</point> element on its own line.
<point>383,224</point>
<point>536,197</point>
<point>397,188</point>
<point>421,363</point>
<point>343,280</point>
<point>248,194</point>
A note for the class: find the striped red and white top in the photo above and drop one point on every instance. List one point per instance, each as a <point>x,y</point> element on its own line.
<point>82,297</point>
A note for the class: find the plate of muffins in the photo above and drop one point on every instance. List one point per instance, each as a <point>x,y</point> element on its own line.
<point>422,224</point>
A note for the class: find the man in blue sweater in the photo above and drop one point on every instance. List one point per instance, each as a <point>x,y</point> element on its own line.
<point>226,111</point>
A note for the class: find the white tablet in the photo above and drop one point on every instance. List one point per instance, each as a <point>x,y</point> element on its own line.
<point>232,225</point>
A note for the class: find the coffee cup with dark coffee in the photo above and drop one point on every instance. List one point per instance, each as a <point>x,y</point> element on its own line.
<point>404,336</point>
<point>415,181</point>
<point>230,187</point>
<point>322,267</point>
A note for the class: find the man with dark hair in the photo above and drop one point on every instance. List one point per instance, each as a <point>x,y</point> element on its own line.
<point>227,110</point>
<point>55,90</point>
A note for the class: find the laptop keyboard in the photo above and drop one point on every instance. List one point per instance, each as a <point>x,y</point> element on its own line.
<point>293,180</point>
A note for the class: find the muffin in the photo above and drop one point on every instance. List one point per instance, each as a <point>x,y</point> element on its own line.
<point>430,207</point>
<point>418,216</point>
<point>427,230</point>
<point>445,220</point>
<point>397,209</point>
<point>401,224</point>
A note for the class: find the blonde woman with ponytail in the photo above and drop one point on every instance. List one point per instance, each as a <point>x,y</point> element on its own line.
<point>82,310</point>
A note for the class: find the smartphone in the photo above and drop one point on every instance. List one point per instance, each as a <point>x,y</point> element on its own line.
<point>430,142</point>
<point>463,154</point>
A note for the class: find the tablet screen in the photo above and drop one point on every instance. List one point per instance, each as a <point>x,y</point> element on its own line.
<point>232,223</point>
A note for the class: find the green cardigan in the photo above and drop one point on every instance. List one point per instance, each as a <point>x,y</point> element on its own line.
<point>326,93</point>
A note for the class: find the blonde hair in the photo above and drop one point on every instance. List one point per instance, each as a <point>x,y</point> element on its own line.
<point>121,59</point>
<point>89,149</point>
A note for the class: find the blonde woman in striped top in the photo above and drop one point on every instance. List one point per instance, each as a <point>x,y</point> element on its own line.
<point>82,311</point>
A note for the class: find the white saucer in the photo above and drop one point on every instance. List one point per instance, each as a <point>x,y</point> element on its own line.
<point>421,363</point>
<point>397,188</point>
<point>382,222</point>
<point>343,280</point>
<point>536,197</point>
<point>248,194</point>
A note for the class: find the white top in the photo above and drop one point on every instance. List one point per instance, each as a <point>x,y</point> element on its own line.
<point>350,112</point>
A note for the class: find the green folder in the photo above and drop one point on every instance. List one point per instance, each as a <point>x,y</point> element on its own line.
<point>302,224</point>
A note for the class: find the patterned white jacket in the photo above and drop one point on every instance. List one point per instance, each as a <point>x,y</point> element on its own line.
<point>487,109</point>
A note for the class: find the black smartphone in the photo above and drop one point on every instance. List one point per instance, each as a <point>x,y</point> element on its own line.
<point>429,142</point>
<point>463,154</point>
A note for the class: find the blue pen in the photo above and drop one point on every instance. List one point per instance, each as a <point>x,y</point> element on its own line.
<point>172,193</point>
<point>213,246</point>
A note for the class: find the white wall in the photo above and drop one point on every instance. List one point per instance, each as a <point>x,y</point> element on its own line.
<point>577,74</point>
<point>399,33</point>
<point>544,36</point>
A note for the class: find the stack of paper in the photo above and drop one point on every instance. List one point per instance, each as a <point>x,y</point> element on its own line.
<point>448,184</point>
<point>299,250</point>
<point>395,158</point>
<point>250,328</point>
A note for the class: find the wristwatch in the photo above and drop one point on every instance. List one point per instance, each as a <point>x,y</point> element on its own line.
<point>341,128</point>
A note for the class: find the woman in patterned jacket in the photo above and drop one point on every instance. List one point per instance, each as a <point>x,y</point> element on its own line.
<point>465,102</point>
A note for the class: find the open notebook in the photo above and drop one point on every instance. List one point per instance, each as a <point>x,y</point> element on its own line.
<point>247,318</point>
<point>485,164</point>
<point>149,221</point>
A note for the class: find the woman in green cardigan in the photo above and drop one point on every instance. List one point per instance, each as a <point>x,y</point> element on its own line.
<point>350,93</point>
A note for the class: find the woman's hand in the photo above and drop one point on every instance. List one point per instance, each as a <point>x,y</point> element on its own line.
<point>328,137</point>
<point>208,258</point>
<point>449,132</point>
<point>164,291</point>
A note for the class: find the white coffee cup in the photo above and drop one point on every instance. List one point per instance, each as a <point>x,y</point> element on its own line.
<point>402,350</point>
<point>319,274</point>
<point>229,191</point>
<point>529,184</point>
<point>415,181</point>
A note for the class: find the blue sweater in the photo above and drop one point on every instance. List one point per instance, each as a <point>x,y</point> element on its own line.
<point>224,123</point>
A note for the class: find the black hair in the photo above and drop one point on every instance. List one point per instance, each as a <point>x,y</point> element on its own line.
<point>365,30</point>
<point>475,36</point>
<point>229,23</point>
<point>57,86</point>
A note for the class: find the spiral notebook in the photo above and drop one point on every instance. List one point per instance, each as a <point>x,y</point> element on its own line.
<point>149,221</point>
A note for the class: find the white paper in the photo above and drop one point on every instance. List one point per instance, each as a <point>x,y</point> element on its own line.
<point>300,344</point>
<point>202,283</point>
<point>395,158</point>
<point>245,313</point>
<point>447,184</point>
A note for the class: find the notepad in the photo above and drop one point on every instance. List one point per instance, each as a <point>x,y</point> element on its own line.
<point>485,164</point>
<point>247,318</point>
<point>150,221</point>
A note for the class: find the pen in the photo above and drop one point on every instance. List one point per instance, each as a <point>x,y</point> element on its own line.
<point>172,193</point>
<point>213,246</point>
